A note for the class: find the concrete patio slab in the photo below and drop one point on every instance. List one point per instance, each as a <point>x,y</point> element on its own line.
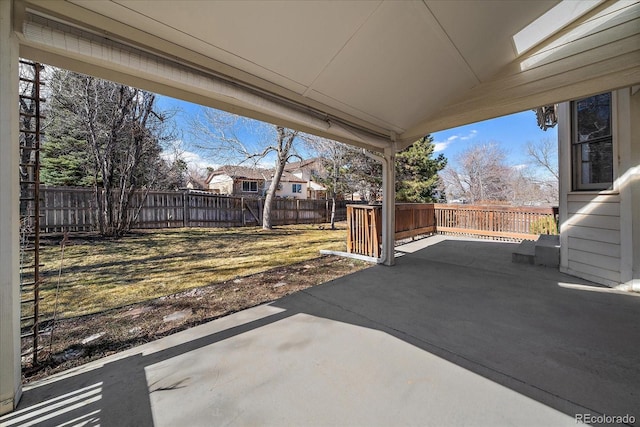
<point>455,334</point>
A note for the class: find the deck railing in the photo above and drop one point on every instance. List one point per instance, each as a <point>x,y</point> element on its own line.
<point>364,223</point>
<point>499,222</point>
<point>414,219</point>
<point>364,230</point>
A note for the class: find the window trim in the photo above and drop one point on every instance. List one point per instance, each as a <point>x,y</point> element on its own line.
<point>576,160</point>
<point>249,182</point>
<point>293,188</point>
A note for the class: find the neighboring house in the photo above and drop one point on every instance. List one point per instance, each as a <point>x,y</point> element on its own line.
<point>291,187</point>
<point>254,182</point>
<point>599,159</point>
<point>309,171</point>
<point>238,181</point>
<point>194,183</point>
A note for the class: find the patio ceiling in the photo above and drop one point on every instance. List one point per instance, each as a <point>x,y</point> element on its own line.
<point>363,72</point>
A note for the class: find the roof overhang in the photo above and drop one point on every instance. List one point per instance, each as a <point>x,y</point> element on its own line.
<point>372,74</point>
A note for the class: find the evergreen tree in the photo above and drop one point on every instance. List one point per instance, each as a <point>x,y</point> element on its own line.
<point>65,160</point>
<point>417,172</point>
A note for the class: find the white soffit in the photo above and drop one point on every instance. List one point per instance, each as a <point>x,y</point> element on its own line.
<point>285,42</point>
<point>398,68</point>
<point>483,30</point>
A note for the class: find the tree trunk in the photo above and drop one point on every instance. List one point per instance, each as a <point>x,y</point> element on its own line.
<point>271,195</point>
<point>333,211</point>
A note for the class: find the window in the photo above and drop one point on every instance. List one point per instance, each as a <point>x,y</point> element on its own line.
<point>592,143</point>
<point>296,188</point>
<point>249,186</point>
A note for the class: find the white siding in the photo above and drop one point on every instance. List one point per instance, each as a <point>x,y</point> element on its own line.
<point>287,190</point>
<point>593,231</point>
<point>222,184</point>
<point>599,232</point>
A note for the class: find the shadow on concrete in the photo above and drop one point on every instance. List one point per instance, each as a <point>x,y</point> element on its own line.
<point>460,300</point>
<point>115,394</point>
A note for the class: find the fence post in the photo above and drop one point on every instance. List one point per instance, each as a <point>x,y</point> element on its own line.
<point>184,209</point>
<point>242,211</point>
<point>326,211</point>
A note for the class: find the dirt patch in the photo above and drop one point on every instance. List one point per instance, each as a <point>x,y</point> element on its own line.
<point>79,340</point>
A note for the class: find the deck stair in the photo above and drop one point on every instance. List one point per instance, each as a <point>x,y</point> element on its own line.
<point>544,251</point>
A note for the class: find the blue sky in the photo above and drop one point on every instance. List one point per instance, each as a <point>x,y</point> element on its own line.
<point>510,132</point>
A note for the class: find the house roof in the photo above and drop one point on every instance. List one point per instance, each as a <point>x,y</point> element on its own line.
<point>289,177</point>
<point>308,163</point>
<point>366,73</point>
<point>244,172</point>
<point>240,172</point>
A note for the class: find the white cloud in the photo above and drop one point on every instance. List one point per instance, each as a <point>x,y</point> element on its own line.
<point>442,145</point>
<point>196,160</point>
<point>469,136</point>
<point>193,160</point>
<point>520,167</point>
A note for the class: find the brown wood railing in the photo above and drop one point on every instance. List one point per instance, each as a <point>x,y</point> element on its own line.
<point>364,223</point>
<point>364,230</point>
<point>413,219</point>
<point>503,222</point>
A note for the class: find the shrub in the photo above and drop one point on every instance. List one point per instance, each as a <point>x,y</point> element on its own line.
<point>544,225</point>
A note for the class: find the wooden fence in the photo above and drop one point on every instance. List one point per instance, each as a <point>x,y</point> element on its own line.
<point>364,232</point>
<point>74,209</point>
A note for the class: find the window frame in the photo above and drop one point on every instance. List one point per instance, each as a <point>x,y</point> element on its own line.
<point>251,183</point>
<point>575,151</point>
<point>293,188</point>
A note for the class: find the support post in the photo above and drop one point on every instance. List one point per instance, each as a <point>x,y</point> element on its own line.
<point>10,381</point>
<point>389,204</point>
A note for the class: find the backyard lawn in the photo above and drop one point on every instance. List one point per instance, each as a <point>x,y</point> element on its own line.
<point>98,274</point>
<point>115,294</point>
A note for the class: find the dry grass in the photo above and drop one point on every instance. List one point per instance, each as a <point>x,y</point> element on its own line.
<point>99,274</point>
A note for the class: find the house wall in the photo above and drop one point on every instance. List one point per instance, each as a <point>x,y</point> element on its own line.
<point>222,184</point>
<point>287,190</point>
<point>632,187</point>
<point>237,188</point>
<point>599,229</point>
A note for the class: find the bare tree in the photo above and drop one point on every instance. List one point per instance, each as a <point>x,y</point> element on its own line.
<point>335,158</point>
<point>233,139</point>
<point>544,154</point>
<point>481,174</point>
<point>543,173</point>
<point>118,132</point>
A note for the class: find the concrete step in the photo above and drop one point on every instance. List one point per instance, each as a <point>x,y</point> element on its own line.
<point>525,254</point>
<point>547,250</point>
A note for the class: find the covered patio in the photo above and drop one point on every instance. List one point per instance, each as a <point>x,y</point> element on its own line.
<point>455,334</point>
<point>451,331</point>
